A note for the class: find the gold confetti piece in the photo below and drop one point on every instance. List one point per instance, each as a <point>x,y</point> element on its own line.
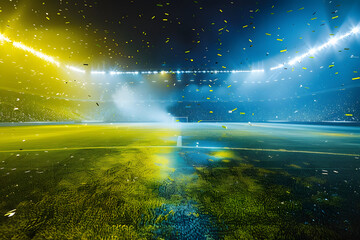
<point>283,50</point>
<point>348,115</point>
<point>225,21</point>
<point>223,67</point>
<point>200,121</point>
<point>250,40</point>
<point>224,127</point>
<point>313,18</point>
<point>208,98</point>
<point>219,55</point>
<point>47,18</point>
<point>301,8</point>
<point>187,51</point>
<point>337,73</point>
<point>357,78</point>
<point>220,10</point>
<point>229,86</point>
<point>242,113</point>
<point>331,66</point>
<point>245,26</point>
<point>211,112</point>
<point>234,110</point>
<point>153,17</point>
<point>10,213</point>
<point>268,34</point>
<point>280,40</point>
<point>304,68</point>
<point>289,11</point>
<point>335,17</point>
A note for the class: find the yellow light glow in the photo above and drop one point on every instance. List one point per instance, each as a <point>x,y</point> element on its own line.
<point>30,50</point>
<point>36,53</point>
<point>3,38</point>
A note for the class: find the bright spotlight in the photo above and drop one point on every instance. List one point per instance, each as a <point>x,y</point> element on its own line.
<point>294,61</point>
<point>97,72</point>
<point>36,53</point>
<point>355,30</point>
<point>312,51</point>
<point>333,41</point>
<point>277,67</point>
<point>75,69</point>
<point>115,73</point>
<point>256,70</point>
<point>3,38</point>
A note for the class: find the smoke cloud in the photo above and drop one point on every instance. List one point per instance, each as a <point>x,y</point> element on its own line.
<point>134,104</point>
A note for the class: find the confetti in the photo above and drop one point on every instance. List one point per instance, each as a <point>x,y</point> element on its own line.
<point>10,213</point>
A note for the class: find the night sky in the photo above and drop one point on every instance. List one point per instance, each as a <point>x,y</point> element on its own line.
<point>186,35</point>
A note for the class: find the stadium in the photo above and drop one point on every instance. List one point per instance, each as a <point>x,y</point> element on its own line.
<point>179,119</point>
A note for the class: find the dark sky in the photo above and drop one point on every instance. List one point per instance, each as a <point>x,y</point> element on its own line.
<point>190,35</point>
<point>185,34</point>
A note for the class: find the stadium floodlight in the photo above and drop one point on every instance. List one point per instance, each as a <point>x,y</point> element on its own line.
<point>355,30</point>
<point>75,69</point>
<point>332,41</point>
<point>294,61</point>
<point>312,51</point>
<point>97,72</point>
<point>257,70</point>
<point>115,73</point>
<point>36,53</point>
<point>3,38</point>
<point>50,59</point>
<point>277,67</point>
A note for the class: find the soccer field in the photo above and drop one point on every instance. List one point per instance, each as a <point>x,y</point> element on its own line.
<point>137,181</point>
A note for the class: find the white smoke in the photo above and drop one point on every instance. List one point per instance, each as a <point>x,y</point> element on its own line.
<point>133,106</point>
